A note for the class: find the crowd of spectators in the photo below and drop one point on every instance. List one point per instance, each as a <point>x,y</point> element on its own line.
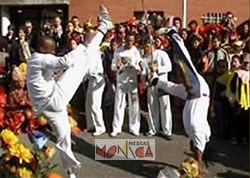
<point>215,49</point>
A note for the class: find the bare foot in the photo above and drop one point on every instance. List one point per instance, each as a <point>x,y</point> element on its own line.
<point>202,171</point>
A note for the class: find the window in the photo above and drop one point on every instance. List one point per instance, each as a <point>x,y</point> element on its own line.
<point>139,14</point>
<point>213,17</point>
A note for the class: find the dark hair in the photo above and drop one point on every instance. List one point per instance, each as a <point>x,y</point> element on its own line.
<point>218,37</point>
<point>155,38</point>
<point>28,21</point>
<point>183,29</point>
<point>176,18</point>
<point>243,56</point>
<point>58,16</point>
<point>193,22</point>
<point>246,23</point>
<point>113,40</point>
<point>22,28</point>
<point>11,27</point>
<point>3,44</point>
<point>117,26</point>
<point>74,17</point>
<point>193,37</point>
<point>130,34</point>
<point>220,64</point>
<point>229,12</point>
<point>236,56</point>
<point>43,40</point>
<point>76,36</point>
<point>69,21</point>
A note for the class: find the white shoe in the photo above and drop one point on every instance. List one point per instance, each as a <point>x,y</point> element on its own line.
<point>114,134</point>
<point>78,165</point>
<point>150,133</point>
<point>135,133</point>
<point>105,20</point>
<point>98,133</point>
<point>71,174</point>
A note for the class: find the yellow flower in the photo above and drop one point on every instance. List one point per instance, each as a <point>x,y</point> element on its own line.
<point>72,122</point>
<point>11,152</point>
<point>190,167</point>
<point>9,137</point>
<point>24,154</point>
<point>24,173</point>
<point>23,67</point>
<point>21,152</point>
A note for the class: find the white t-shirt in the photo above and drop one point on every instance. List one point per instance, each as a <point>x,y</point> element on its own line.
<point>159,58</point>
<point>40,75</point>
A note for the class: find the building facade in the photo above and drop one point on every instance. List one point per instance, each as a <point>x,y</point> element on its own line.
<point>17,11</point>
<point>124,9</point>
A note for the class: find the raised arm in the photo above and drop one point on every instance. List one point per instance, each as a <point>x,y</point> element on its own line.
<point>64,62</point>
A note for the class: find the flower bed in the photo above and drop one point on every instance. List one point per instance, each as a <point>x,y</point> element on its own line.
<point>18,161</point>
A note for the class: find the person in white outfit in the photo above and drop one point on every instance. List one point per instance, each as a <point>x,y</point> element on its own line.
<point>125,57</point>
<point>50,95</point>
<point>96,84</point>
<point>158,62</point>
<point>196,92</point>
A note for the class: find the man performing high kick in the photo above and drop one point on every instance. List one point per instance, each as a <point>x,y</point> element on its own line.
<point>50,95</point>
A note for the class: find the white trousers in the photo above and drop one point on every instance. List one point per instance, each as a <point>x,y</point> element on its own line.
<point>194,113</point>
<point>195,121</point>
<point>65,88</point>
<point>159,110</point>
<point>119,110</point>
<point>93,103</point>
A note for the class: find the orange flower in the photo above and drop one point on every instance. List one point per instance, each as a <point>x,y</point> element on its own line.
<point>54,175</point>
<point>49,152</point>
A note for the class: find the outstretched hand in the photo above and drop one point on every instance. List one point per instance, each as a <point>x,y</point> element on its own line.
<point>153,68</point>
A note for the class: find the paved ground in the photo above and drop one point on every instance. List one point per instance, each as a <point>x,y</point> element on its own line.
<point>223,160</point>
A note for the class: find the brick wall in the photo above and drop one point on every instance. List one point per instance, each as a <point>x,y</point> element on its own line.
<point>122,10</point>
